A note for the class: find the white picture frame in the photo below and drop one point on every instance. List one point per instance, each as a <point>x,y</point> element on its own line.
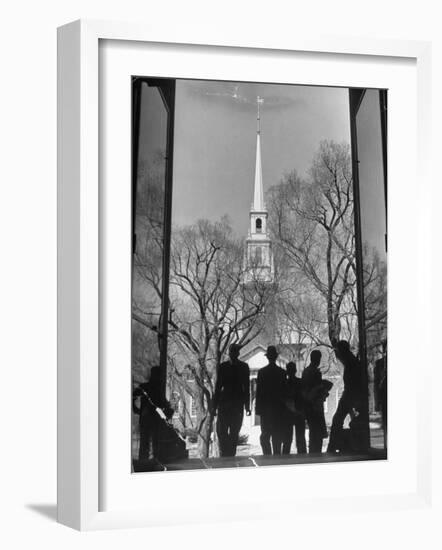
<point>80,447</point>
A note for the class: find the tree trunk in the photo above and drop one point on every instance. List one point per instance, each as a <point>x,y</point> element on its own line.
<point>204,434</point>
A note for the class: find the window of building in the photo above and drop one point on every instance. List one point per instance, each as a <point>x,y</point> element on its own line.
<point>258,255</point>
<point>368,122</point>
<point>258,225</point>
<point>370,177</point>
<point>192,407</point>
<point>153,103</point>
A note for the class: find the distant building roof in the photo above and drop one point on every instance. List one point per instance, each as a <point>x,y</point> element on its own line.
<point>286,351</point>
<point>252,351</point>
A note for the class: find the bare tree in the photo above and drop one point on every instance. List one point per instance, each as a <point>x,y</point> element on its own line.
<point>210,307</point>
<point>375,300</point>
<point>147,266</point>
<point>312,224</point>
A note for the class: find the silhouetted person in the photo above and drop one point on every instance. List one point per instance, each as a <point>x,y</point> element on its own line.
<point>295,412</point>
<point>153,408</point>
<point>351,400</point>
<point>315,392</point>
<point>380,386</point>
<point>270,396</point>
<point>231,397</point>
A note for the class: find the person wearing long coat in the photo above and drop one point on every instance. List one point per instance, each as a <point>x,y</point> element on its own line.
<point>270,404</point>
<point>231,398</point>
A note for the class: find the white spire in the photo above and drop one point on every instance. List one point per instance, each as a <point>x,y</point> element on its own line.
<point>258,195</point>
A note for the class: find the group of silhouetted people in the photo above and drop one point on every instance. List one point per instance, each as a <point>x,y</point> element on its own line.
<point>285,403</point>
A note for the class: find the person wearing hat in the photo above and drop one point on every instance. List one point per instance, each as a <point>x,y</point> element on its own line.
<point>231,397</point>
<point>270,403</point>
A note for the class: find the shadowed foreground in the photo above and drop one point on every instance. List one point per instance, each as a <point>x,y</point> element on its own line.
<point>257,461</point>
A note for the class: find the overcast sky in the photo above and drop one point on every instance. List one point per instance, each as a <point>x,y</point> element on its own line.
<point>215,142</point>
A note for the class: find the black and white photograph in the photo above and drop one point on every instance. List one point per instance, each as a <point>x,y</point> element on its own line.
<point>221,275</point>
<point>259,274</point>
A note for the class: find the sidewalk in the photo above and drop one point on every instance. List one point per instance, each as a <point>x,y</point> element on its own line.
<point>253,446</point>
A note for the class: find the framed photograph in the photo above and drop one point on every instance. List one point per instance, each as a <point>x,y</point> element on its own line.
<point>226,212</point>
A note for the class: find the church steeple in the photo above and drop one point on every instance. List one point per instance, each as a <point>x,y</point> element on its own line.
<point>258,196</point>
<point>258,256</point>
